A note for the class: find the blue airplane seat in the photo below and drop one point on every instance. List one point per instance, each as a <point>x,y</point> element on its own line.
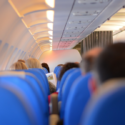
<point>13,107</point>
<point>66,89</point>
<point>30,94</point>
<point>56,68</point>
<point>77,100</point>
<point>45,70</point>
<point>40,77</point>
<point>107,108</point>
<point>58,71</point>
<point>65,76</point>
<point>58,85</point>
<point>42,73</point>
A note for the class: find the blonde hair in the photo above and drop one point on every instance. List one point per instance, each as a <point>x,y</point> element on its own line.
<point>21,60</point>
<point>18,66</point>
<point>33,63</point>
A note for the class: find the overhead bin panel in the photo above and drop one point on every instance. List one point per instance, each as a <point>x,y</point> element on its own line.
<point>42,44</point>
<point>38,18</point>
<point>116,22</point>
<point>82,15</point>
<point>41,27</point>
<point>42,39</point>
<point>40,35</point>
<point>23,7</point>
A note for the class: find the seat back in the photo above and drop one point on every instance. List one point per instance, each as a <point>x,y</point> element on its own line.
<point>40,77</point>
<point>56,68</point>
<point>34,84</point>
<point>45,70</point>
<point>66,89</point>
<point>14,108</point>
<point>64,77</point>
<point>30,94</point>
<point>107,107</point>
<point>77,100</point>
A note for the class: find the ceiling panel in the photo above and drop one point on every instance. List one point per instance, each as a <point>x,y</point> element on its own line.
<point>64,23</point>
<point>23,7</point>
<point>41,28</point>
<point>37,18</point>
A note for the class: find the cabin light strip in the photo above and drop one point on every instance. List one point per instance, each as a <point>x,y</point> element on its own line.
<point>49,15</point>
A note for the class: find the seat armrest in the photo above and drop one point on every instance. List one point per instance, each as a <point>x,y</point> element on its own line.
<point>54,104</point>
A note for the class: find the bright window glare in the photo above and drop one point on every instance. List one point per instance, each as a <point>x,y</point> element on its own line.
<point>50,33</point>
<point>50,15</point>
<point>51,48</point>
<point>50,3</point>
<point>50,26</point>
<point>50,41</point>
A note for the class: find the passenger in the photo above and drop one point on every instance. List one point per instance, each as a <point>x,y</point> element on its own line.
<point>87,65</point>
<point>34,63</point>
<point>18,66</point>
<point>110,63</point>
<point>45,65</point>
<point>88,62</point>
<point>66,67</point>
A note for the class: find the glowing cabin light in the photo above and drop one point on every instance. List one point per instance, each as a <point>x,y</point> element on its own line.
<point>50,41</point>
<point>51,37</point>
<point>50,26</point>
<point>50,33</point>
<point>50,15</point>
<point>50,3</point>
<point>50,47</point>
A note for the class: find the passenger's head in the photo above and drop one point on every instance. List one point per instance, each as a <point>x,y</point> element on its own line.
<point>60,65</point>
<point>88,60</point>
<point>21,60</point>
<point>18,66</point>
<point>33,63</point>
<point>110,63</point>
<point>45,65</point>
<point>66,67</point>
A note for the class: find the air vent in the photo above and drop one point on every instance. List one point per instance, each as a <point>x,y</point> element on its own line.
<point>87,13</point>
<point>93,2</point>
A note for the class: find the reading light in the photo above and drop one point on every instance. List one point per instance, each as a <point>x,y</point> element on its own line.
<point>50,32</point>
<point>50,26</point>
<point>50,3</point>
<point>50,41</point>
<point>50,15</point>
<point>51,37</point>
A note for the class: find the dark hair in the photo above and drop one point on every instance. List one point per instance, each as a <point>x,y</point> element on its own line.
<point>66,67</point>
<point>45,65</point>
<point>60,65</point>
<point>111,62</point>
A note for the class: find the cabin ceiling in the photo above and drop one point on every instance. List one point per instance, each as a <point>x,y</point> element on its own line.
<point>36,26</point>
<point>116,22</point>
<point>61,24</point>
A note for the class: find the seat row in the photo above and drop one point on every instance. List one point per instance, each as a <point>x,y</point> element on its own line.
<point>24,97</point>
<point>78,106</point>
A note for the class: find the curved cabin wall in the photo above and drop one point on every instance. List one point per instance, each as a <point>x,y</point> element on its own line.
<point>53,58</point>
<point>120,37</point>
<point>16,42</point>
